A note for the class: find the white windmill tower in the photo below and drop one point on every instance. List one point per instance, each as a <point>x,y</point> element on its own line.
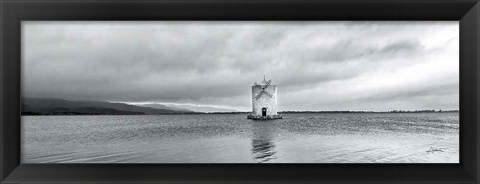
<point>264,101</point>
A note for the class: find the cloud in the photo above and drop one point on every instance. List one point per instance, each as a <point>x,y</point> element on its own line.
<point>316,65</point>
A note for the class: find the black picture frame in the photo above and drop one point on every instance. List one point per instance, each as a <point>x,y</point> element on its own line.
<point>15,11</point>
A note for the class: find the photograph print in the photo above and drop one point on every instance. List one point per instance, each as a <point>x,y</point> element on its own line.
<point>240,92</point>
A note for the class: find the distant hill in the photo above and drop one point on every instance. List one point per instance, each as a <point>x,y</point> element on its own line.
<point>204,109</point>
<point>55,106</point>
<point>160,106</point>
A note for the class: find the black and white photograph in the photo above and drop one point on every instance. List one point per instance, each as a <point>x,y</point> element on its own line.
<point>240,92</point>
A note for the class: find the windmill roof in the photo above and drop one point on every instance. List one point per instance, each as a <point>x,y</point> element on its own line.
<point>264,82</point>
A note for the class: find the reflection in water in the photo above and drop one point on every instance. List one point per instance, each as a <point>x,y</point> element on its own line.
<point>263,148</point>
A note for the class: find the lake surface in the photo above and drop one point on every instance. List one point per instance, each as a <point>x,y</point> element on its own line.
<point>232,138</point>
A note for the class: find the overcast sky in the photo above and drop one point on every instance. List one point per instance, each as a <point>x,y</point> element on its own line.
<point>376,66</point>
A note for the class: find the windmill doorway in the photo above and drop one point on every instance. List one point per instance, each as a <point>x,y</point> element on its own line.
<point>264,111</point>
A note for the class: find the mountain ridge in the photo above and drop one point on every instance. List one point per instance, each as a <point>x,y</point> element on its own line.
<point>58,106</point>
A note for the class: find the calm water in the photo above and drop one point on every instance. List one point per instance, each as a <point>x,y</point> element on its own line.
<point>298,138</point>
